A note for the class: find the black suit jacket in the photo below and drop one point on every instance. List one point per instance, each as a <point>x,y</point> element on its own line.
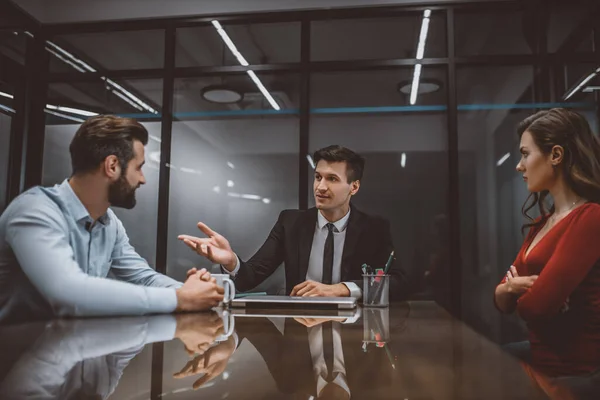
<point>368,240</point>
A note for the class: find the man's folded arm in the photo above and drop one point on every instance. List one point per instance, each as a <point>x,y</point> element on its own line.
<point>127,265</point>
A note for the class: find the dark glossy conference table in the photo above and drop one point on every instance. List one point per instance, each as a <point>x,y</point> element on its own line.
<point>413,350</point>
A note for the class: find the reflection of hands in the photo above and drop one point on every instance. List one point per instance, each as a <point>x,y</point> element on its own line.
<point>198,331</point>
<point>317,289</point>
<point>212,363</point>
<point>310,322</point>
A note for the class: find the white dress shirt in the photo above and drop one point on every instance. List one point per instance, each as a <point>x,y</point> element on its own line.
<point>315,343</point>
<point>315,262</point>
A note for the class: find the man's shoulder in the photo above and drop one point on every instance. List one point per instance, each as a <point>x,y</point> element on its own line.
<point>36,199</point>
<point>36,205</point>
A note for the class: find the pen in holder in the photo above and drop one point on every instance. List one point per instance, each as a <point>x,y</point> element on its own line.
<point>376,290</point>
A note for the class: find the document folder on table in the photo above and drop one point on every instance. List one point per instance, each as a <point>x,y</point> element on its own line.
<point>295,302</point>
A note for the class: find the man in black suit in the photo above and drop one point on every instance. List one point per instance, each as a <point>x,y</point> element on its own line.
<point>323,248</point>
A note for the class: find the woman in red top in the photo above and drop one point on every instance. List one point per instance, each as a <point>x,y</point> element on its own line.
<point>554,284</point>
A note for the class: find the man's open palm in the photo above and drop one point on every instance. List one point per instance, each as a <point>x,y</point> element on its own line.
<point>214,247</point>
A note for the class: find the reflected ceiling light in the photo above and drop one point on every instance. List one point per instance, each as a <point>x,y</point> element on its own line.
<point>221,94</point>
<point>155,138</point>
<point>154,156</point>
<point>236,195</point>
<point>425,86</point>
<point>217,189</point>
<point>82,66</point>
<point>126,100</point>
<point>244,63</point>
<point>72,64</point>
<point>230,183</point>
<point>414,89</point>
<point>503,159</point>
<point>190,170</point>
<point>10,96</point>
<point>403,160</point>
<point>251,197</point>
<point>130,95</point>
<point>65,116</point>
<point>266,200</point>
<point>310,161</point>
<point>230,165</point>
<point>580,85</point>
<point>77,111</point>
<point>6,108</point>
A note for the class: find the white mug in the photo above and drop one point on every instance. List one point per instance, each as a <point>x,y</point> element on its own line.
<point>225,281</point>
<point>228,325</point>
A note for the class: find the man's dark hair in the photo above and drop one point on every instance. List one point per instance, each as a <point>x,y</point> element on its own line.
<point>102,136</point>
<point>355,163</point>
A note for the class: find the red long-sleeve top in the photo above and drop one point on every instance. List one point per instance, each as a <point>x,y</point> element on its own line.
<point>567,260</point>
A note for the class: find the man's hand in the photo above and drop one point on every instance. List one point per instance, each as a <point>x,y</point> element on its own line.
<point>317,289</point>
<point>211,364</point>
<point>214,247</point>
<point>203,274</point>
<point>516,284</point>
<point>200,292</point>
<point>310,322</point>
<point>198,331</point>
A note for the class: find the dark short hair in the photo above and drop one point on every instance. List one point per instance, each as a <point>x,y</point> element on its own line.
<point>355,163</point>
<point>102,136</point>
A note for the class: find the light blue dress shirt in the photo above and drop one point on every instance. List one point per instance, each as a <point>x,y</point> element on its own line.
<point>54,261</point>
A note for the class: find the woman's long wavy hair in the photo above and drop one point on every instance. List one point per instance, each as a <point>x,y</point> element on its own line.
<point>581,161</point>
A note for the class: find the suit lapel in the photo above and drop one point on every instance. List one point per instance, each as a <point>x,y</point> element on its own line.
<point>353,230</point>
<point>307,232</point>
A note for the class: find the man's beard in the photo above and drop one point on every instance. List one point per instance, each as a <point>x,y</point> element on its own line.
<point>121,194</point>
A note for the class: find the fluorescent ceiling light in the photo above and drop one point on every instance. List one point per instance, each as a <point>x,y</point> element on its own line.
<point>236,195</point>
<point>266,200</point>
<point>229,43</point>
<point>503,159</point>
<point>230,183</point>
<point>423,35</point>
<point>77,111</point>
<point>217,189</point>
<point>414,90</point>
<point>263,90</point>
<point>68,55</point>
<point>10,96</point>
<point>245,63</point>
<point>420,52</point>
<point>230,165</point>
<point>403,160</point>
<point>65,116</point>
<point>310,161</point>
<point>127,100</point>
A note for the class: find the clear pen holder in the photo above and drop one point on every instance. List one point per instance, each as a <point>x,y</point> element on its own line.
<point>376,290</point>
